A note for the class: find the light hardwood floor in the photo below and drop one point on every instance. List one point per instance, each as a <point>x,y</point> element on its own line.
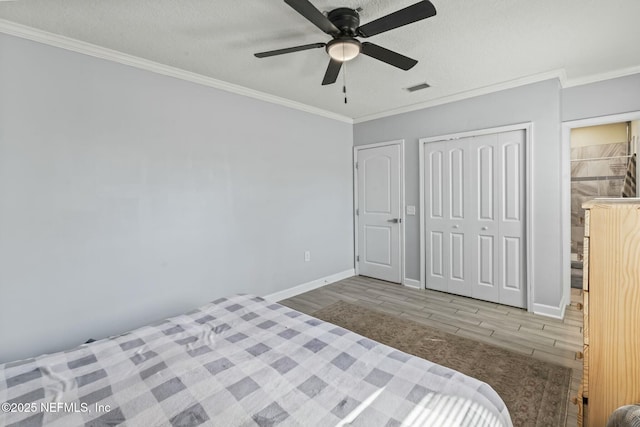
<point>548,339</point>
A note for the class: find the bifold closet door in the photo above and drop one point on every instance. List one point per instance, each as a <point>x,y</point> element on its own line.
<point>474,217</point>
<point>446,207</point>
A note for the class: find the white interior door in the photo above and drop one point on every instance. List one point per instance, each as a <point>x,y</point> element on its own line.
<point>379,212</point>
<point>474,217</point>
<point>446,207</point>
<point>511,179</point>
<point>486,259</point>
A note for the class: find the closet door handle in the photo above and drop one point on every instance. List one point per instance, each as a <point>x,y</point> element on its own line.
<point>485,228</point>
<point>456,226</point>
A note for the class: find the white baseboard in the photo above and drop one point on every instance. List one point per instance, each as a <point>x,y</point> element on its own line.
<point>309,286</point>
<point>411,283</point>
<point>549,310</point>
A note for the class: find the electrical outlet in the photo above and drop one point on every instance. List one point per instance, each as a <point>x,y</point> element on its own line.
<point>307,256</point>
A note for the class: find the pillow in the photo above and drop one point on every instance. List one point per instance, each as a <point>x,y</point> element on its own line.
<point>625,416</point>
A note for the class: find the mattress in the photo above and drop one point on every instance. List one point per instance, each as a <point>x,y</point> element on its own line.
<point>242,361</point>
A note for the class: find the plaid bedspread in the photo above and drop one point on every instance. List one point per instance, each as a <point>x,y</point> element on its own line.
<point>242,361</point>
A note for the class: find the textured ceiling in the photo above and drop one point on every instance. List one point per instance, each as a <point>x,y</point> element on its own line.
<point>468,45</point>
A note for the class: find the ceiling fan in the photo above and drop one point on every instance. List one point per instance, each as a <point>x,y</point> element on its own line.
<point>343,24</point>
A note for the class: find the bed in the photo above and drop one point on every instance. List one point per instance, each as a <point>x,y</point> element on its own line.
<point>242,361</point>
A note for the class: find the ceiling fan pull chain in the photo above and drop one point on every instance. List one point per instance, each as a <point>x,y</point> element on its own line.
<point>344,77</point>
<point>343,25</point>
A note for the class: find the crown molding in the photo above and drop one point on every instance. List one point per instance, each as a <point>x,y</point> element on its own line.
<point>67,43</point>
<point>594,78</point>
<point>555,74</point>
<point>63,42</point>
<point>559,74</point>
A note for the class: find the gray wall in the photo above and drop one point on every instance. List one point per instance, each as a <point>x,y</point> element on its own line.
<point>538,103</point>
<point>127,196</point>
<point>604,98</point>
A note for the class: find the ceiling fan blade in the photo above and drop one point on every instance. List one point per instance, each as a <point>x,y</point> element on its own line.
<point>388,56</point>
<point>289,50</point>
<point>309,11</point>
<point>333,70</point>
<point>413,13</point>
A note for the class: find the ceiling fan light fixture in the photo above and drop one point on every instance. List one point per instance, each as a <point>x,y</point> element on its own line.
<point>343,25</point>
<point>344,49</point>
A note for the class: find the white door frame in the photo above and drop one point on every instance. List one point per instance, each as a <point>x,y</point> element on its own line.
<point>566,183</point>
<point>356,149</point>
<point>528,128</point>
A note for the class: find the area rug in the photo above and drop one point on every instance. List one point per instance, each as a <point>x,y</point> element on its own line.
<point>535,392</point>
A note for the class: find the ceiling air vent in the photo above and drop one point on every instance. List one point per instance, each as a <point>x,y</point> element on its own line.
<point>417,87</point>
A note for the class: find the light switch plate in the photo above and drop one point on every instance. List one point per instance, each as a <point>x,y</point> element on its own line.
<point>411,210</point>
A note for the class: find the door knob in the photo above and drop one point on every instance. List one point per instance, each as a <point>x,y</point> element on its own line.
<point>456,226</point>
<point>485,228</point>
<point>395,220</point>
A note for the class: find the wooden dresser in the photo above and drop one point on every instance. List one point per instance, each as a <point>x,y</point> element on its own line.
<point>611,373</point>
